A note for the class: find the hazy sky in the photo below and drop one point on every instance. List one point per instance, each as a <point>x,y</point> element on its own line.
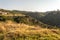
<point>30,5</point>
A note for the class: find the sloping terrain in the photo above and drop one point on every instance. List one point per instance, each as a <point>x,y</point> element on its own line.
<point>50,17</point>
<point>13,31</point>
<point>21,25</point>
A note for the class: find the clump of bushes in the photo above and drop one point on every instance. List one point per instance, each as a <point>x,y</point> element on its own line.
<point>25,19</point>
<point>19,19</point>
<point>2,18</point>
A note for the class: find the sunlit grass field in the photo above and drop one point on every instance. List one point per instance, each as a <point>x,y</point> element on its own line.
<point>18,31</point>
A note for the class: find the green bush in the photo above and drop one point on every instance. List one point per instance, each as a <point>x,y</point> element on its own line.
<point>2,18</point>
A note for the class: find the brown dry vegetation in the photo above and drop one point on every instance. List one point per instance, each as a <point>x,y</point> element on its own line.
<point>11,29</point>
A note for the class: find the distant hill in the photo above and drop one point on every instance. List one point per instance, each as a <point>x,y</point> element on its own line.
<point>50,18</point>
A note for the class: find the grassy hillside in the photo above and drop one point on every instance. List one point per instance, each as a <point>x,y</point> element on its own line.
<point>13,31</point>
<point>22,25</point>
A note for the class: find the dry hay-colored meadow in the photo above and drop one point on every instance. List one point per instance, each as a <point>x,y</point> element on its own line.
<point>20,28</point>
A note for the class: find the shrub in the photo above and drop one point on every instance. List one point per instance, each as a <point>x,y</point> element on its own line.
<point>2,18</point>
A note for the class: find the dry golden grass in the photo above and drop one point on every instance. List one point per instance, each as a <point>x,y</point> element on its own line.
<point>25,29</point>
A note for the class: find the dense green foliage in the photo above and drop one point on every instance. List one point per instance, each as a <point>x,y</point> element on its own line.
<point>20,19</point>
